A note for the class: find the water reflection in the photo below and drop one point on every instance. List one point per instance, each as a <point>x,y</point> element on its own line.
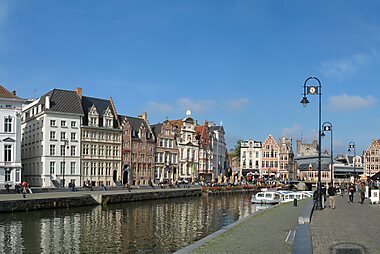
<point>159,226</point>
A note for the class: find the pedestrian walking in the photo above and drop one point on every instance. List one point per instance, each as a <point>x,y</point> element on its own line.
<point>151,183</point>
<point>332,192</point>
<point>351,192</point>
<point>24,185</point>
<point>362,192</point>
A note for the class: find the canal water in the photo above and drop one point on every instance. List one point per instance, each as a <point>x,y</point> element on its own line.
<point>158,226</point>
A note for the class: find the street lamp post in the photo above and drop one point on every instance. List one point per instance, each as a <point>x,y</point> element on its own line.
<point>327,126</point>
<point>66,144</point>
<point>351,145</point>
<point>315,90</point>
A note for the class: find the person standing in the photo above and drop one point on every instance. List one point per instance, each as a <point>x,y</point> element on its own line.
<point>24,185</point>
<point>332,192</point>
<point>351,192</point>
<point>362,192</point>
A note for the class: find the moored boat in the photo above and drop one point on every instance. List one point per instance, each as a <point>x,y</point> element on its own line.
<point>290,196</point>
<point>266,197</point>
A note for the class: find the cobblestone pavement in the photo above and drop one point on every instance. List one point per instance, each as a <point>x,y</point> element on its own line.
<point>264,232</point>
<point>349,228</point>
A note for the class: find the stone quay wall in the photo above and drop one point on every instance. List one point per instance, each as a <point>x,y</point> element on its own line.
<point>72,199</point>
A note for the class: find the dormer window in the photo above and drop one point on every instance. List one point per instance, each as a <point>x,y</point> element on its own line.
<point>108,118</point>
<point>93,121</point>
<point>93,116</point>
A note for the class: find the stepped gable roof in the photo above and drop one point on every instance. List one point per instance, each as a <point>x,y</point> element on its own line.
<point>202,134</point>
<point>156,128</point>
<point>101,106</point>
<point>136,123</point>
<point>4,93</point>
<point>63,101</point>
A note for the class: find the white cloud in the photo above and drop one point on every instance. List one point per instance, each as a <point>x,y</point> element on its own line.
<point>160,108</point>
<point>347,102</point>
<point>345,67</point>
<point>292,132</point>
<point>195,106</point>
<point>237,103</point>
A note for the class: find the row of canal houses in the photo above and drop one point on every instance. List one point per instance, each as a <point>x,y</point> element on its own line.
<point>65,137</point>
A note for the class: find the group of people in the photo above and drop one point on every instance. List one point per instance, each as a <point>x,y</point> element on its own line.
<point>351,189</point>
<point>23,188</point>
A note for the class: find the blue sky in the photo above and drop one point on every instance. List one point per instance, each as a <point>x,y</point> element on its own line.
<point>240,62</point>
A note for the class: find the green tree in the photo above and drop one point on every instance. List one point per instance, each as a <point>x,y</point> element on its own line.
<point>237,148</point>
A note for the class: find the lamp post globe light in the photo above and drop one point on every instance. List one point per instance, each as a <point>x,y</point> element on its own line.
<point>315,90</point>
<point>352,146</point>
<point>327,126</point>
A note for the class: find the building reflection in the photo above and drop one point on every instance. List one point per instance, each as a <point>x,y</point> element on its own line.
<point>157,226</point>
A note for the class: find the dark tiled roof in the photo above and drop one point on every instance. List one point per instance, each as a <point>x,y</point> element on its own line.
<point>4,93</point>
<point>217,128</point>
<point>156,128</point>
<point>135,122</point>
<point>101,106</point>
<point>63,101</point>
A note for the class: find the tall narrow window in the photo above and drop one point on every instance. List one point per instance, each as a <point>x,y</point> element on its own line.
<point>63,135</point>
<point>52,150</point>
<point>52,167</point>
<point>7,175</point>
<point>72,168</point>
<point>8,124</point>
<point>73,150</point>
<point>7,153</point>
<point>63,150</point>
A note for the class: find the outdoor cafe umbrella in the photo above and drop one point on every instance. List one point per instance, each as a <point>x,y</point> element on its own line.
<point>375,177</point>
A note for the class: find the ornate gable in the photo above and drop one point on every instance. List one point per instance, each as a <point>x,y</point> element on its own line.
<point>93,116</point>
<point>108,118</point>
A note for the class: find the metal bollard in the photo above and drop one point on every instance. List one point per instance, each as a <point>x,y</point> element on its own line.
<point>295,202</point>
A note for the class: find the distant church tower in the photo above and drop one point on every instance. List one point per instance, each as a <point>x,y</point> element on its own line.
<point>307,149</point>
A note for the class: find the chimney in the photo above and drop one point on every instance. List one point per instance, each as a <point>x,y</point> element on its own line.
<point>47,102</point>
<point>79,92</point>
<point>144,116</point>
<point>14,92</point>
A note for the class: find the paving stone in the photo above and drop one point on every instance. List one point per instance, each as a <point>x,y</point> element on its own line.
<point>349,228</point>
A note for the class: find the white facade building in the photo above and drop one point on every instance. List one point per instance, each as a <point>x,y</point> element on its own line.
<point>188,147</point>
<point>250,156</point>
<point>51,139</point>
<point>10,137</point>
<point>219,150</point>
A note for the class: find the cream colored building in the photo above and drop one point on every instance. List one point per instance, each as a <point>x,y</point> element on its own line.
<point>372,158</point>
<point>101,139</point>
